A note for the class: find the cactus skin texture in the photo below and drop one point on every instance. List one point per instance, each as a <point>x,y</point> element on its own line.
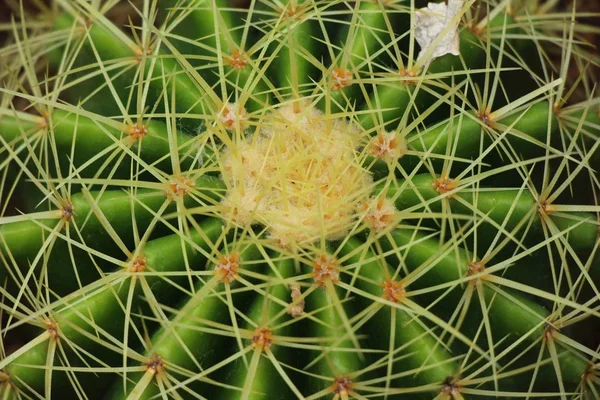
<point>282,201</point>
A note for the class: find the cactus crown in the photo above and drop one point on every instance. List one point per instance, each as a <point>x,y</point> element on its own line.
<point>299,199</point>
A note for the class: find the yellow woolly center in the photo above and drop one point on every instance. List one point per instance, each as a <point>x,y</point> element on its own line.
<point>300,176</point>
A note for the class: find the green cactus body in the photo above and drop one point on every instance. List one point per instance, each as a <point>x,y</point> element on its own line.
<point>295,200</point>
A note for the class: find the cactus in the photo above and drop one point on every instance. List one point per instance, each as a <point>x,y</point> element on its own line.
<point>295,199</point>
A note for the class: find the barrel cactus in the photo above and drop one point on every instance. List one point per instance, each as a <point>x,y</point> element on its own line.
<point>299,199</point>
